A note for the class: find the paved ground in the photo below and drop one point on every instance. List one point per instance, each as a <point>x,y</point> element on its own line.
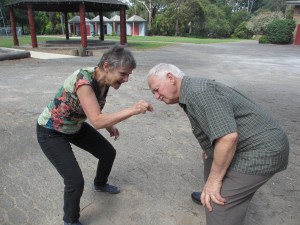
<point>158,160</point>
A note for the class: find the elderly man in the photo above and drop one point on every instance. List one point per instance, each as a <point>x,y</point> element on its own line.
<point>243,146</point>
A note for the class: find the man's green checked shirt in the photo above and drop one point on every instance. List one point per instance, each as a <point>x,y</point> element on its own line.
<point>215,110</point>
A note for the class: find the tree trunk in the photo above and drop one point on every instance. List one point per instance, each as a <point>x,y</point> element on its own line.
<point>176,25</point>
<point>149,9</point>
<point>62,24</point>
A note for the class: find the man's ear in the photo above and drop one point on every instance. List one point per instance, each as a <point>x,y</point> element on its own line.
<point>171,77</point>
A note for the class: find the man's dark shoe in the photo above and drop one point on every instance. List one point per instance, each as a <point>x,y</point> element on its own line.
<point>107,188</point>
<point>75,223</point>
<point>196,197</point>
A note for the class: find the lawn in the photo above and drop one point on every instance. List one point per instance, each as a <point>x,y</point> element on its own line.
<point>169,39</point>
<point>7,42</point>
<point>137,42</point>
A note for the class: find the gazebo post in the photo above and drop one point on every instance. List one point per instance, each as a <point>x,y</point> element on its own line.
<point>123,40</point>
<point>101,26</point>
<point>82,25</point>
<point>31,26</point>
<point>66,25</point>
<point>13,26</point>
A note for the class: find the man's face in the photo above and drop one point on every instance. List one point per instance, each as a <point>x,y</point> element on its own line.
<point>164,89</point>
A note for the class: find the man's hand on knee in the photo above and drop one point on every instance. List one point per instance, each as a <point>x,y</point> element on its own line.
<point>211,192</point>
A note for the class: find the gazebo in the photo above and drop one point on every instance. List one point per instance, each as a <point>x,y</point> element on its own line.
<point>65,6</point>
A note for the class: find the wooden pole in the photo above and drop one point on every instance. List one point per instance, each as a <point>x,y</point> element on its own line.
<point>101,26</point>
<point>82,25</point>
<point>13,27</point>
<point>66,26</point>
<point>31,26</point>
<point>123,39</point>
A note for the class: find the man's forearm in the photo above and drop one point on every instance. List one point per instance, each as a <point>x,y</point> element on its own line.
<point>224,151</point>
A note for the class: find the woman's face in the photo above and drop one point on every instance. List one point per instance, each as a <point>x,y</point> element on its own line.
<point>119,76</point>
<point>116,77</point>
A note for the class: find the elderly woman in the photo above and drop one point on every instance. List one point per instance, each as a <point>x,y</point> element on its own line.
<point>62,123</point>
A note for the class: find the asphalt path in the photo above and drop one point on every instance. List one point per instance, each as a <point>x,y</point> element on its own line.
<point>158,161</point>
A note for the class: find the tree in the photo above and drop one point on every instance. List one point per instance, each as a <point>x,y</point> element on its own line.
<point>274,5</point>
<point>216,23</point>
<point>195,16</point>
<point>4,15</point>
<point>187,15</point>
<point>152,6</point>
<point>21,19</point>
<point>137,9</point>
<point>236,18</point>
<point>164,22</point>
<point>250,5</point>
<point>177,9</point>
<point>40,22</point>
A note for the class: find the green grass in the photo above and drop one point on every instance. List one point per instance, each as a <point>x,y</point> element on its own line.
<point>7,42</point>
<point>166,39</point>
<point>148,42</point>
<point>144,46</point>
<point>136,42</point>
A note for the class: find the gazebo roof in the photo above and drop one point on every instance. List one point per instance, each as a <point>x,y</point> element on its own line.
<point>68,5</point>
<point>115,18</point>
<point>96,19</point>
<point>76,19</point>
<point>136,18</point>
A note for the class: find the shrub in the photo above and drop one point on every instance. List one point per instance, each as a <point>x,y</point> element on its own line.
<point>237,17</point>
<point>258,24</point>
<point>263,40</point>
<point>242,32</point>
<point>281,31</point>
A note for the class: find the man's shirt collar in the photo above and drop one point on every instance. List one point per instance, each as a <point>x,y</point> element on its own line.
<point>183,90</point>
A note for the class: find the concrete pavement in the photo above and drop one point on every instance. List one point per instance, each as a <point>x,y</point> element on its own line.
<point>158,161</point>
